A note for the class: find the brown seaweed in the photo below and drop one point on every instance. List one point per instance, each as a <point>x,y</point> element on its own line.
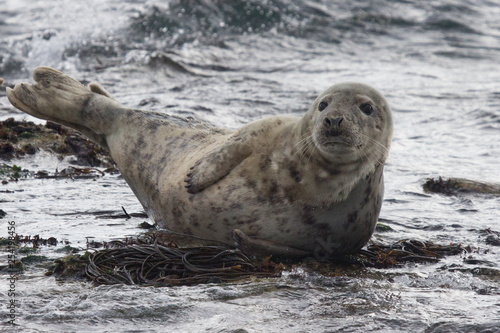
<point>407,250</point>
<point>454,186</point>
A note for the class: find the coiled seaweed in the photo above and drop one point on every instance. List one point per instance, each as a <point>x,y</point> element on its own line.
<point>165,264</point>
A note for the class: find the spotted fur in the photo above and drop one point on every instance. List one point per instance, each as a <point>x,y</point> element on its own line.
<point>289,185</point>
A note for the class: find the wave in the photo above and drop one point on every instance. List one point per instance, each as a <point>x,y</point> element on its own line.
<point>207,20</point>
<point>160,26</point>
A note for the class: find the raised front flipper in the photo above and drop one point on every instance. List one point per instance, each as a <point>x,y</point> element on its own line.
<point>218,163</point>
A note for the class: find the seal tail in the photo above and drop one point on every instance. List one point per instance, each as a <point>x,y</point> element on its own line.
<point>62,99</point>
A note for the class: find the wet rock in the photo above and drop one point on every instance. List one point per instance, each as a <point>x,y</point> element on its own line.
<point>146,225</point>
<point>18,138</point>
<point>71,267</point>
<point>455,186</point>
<point>68,249</point>
<point>59,129</point>
<point>151,101</point>
<point>6,150</point>
<point>383,227</point>
<point>29,149</point>
<point>70,172</point>
<point>33,259</point>
<point>493,240</point>
<point>85,150</point>
<point>16,268</point>
<point>12,172</point>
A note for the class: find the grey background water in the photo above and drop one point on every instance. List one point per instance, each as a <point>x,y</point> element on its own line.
<point>231,62</point>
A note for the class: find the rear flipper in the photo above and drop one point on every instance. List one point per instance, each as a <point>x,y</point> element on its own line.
<point>262,248</point>
<point>62,99</point>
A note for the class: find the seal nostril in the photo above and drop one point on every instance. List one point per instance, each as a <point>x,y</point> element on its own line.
<point>333,125</point>
<point>330,122</point>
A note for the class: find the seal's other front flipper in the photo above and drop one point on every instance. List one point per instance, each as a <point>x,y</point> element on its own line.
<point>97,88</point>
<point>263,248</point>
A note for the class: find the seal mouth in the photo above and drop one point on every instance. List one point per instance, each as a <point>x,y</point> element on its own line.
<point>333,143</point>
<point>332,147</point>
<point>342,147</point>
<point>336,143</point>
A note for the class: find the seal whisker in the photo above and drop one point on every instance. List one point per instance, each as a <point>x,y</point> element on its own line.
<point>300,142</point>
<point>312,145</point>
<point>307,149</point>
<point>380,145</point>
<point>378,150</point>
<point>378,153</point>
<point>303,143</point>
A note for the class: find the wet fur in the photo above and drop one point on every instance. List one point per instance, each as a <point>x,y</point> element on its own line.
<point>277,180</point>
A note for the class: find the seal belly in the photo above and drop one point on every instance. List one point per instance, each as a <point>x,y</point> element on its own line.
<point>237,202</point>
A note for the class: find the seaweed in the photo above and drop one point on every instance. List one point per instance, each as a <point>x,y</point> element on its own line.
<point>156,264</point>
<point>408,250</point>
<point>35,241</point>
<point>153,259</point>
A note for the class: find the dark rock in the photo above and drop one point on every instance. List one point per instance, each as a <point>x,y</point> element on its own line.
<point>6,150</point>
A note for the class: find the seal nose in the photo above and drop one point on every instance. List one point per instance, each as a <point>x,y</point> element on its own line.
<point>333,125</point>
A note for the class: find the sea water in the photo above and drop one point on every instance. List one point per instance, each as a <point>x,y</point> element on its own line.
<point>232,62</point>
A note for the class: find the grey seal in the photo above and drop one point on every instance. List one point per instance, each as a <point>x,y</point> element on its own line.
<point>291,186</point>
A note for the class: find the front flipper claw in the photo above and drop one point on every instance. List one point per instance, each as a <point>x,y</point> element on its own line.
<point>190,188</point>
<point>202,175</point>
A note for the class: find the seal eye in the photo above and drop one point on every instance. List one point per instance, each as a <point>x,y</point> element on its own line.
<point>322,105</point>
<point>367,108</point>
